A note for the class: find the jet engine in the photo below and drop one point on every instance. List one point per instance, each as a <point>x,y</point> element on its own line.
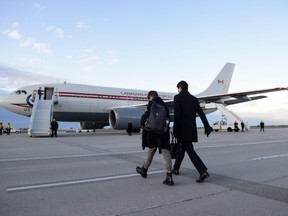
<point>120,117</point>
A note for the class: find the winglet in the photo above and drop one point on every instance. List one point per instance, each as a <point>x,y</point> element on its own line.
<point>221,83</point>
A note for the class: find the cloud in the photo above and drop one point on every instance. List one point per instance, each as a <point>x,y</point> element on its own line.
<point>40,47</point>
<point>15,25</point>
<point>11,78</point>
<point>113,61</point>
<point>107,57</point>
<point>88,56</point>
<point>90,69</point>
<point>69,57</point>
<point>39,6</point>
<point>59,32</point>
<point>33,61</point>
<point>80,25</point>
<point>13,34</point>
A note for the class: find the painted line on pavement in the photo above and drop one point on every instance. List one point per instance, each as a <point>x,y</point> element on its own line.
<point>241,144</point>
<point>270,157</point>
<point>74,182</point>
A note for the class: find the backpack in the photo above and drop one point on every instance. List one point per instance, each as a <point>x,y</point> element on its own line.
<point>157,120</point>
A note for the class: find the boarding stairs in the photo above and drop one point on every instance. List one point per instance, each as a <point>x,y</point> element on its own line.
<point>232,116</point>
<point>41,117</point>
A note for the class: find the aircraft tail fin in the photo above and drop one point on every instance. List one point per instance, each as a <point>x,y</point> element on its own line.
<point>221,82</point>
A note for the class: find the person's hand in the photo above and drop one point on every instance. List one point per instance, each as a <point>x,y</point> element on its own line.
<point>208,131</point>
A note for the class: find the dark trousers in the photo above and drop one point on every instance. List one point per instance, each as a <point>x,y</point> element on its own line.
<point>54,133</point>
<point>195,159</point>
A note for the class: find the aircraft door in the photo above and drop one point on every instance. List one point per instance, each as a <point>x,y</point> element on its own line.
<point>48,93</point>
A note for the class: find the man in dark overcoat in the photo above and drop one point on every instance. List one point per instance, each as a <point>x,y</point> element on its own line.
<point>186,107</point>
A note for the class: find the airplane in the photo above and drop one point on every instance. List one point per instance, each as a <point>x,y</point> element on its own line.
<point>95,106</point>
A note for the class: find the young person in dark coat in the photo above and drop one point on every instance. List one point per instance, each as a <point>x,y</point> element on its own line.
<point>154,141</point>
<point>186,106</point>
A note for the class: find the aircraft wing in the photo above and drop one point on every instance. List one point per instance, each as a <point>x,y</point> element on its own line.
<point>238,97</point>
<point>120,115</point>
<point>227,98</point>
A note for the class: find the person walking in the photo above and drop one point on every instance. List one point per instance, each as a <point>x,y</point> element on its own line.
<point>186,106</point>
<point>54,127</point>
<point>129,129</point>
<point>154,140</point>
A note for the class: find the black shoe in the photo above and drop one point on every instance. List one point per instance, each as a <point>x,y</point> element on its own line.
<point>168,180</point>
<point>202,177</point>
<point>142,171</point>
<point>175,172</point>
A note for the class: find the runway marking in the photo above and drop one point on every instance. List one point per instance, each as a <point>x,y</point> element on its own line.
<point>270,157</point>
<point>74,182</point>
<point>243,144</point>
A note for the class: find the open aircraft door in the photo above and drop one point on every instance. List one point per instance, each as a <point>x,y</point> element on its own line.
<point>48,93</point>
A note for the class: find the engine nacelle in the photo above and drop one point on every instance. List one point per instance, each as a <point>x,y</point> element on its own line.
<point>120,117</point>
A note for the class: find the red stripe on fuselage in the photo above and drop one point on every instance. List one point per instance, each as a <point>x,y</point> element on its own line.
<point>22,105</point>
<point>101,96</point>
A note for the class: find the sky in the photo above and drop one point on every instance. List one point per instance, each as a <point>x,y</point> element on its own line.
<point>148,45</point>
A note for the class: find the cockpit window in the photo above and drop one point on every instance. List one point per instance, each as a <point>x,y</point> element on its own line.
<point>19,92</point>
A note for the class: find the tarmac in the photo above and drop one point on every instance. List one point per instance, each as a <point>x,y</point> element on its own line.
<point>94,174</point>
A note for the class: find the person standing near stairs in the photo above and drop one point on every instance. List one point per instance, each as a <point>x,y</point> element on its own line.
<point>39,92</point>
<point>54,127</point>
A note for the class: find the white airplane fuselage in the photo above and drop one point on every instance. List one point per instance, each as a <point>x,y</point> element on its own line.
<point>77,102</point>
